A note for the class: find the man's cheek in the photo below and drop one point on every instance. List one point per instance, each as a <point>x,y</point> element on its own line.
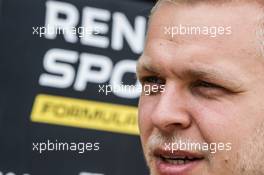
<point>216,116</point>
<point>144,120</point>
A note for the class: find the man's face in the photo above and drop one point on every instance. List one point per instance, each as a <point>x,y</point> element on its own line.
<point>214,92</point>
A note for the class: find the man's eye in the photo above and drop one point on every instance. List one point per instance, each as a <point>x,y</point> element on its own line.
<point>152,85</point>
<point>207,85</point>
<point>208,90</point>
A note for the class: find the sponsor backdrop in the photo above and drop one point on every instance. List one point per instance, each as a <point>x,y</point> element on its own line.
<point>60,112</point>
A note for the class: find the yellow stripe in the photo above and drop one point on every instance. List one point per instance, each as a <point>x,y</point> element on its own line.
<point>85,114</point>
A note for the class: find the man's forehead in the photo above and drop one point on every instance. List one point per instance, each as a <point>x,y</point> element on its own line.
<point>241,17</point>
<point>242,43</point>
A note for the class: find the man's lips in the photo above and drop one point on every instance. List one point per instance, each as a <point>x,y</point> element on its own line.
<point>177,162</point>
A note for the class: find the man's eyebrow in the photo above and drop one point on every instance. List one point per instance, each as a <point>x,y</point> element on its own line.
<point>192,72</point>
<point>212,74</point>
<point>195,72</point>
<point>145,67</point>
<point>201,72</point>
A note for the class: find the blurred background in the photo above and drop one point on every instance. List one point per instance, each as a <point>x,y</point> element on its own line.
<point>59,63</point>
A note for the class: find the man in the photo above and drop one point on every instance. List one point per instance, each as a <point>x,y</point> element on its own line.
<point>209,118</point>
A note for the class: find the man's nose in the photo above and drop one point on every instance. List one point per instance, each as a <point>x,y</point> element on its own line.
<point>171,112</point>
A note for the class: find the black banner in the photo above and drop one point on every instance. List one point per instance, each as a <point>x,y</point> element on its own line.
<point>61,63</point>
